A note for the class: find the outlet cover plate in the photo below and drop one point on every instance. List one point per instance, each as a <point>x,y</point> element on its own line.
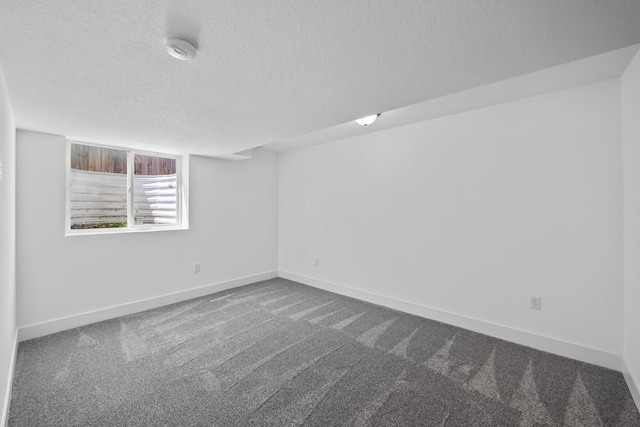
<point>535,303</point>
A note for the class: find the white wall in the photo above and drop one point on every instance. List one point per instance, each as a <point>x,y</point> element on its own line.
<point>630,85</point>
<point>233,234</point>
<point>473,213</point>
<point>7,247</point>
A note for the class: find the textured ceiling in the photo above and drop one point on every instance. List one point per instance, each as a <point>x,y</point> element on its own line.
<point>605,66</point>
<point>270,70</point>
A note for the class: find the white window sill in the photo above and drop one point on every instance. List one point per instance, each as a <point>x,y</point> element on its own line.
<point>123,230</point>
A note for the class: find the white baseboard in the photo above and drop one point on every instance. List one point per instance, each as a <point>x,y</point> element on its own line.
<point>4,415</point>
<point>64,323</point>
<point>515,335</point>
<point>632,383</point>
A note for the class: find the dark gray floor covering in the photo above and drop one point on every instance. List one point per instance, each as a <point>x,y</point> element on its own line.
<point>279,353</point>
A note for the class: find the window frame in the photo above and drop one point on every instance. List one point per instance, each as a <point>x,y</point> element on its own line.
<point>181,195</point>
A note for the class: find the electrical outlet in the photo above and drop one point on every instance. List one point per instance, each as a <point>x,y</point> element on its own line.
<point>535,303</point>
<point>316,262</point>
<point>196,267</point>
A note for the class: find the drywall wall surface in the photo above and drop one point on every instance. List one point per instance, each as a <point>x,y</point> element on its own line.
<point>7,246</point>
<point>473,214</point>
<point>232,234</point>
<point>630,88</point>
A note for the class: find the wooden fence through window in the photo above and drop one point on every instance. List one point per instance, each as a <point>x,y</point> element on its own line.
<point>110,160</point>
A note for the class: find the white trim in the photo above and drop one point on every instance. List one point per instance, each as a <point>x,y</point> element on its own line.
<point>64,323</point>
<point>67,189</point>
<point>123,230</point>
<point>632,383</point>
<point>130,197</point>
<point>515,335</point>
<point>4,416</point>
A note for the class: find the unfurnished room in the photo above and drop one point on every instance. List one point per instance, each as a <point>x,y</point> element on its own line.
<point>320,213</point>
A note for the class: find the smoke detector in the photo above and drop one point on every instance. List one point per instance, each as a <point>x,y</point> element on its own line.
<point>181,48</point>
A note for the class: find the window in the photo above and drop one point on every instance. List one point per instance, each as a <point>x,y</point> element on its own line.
<point>114,189</point>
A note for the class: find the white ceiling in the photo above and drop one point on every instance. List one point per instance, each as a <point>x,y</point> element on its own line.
<point>605,66</point>
<point>268,71</point>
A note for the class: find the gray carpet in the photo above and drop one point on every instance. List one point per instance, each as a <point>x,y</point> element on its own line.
<point>278,353</point>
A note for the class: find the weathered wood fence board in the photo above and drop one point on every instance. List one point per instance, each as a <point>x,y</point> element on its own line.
<point>110,160</point>
<point>153,165</point>
<point>98,159</point>
<point>101,198</point>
